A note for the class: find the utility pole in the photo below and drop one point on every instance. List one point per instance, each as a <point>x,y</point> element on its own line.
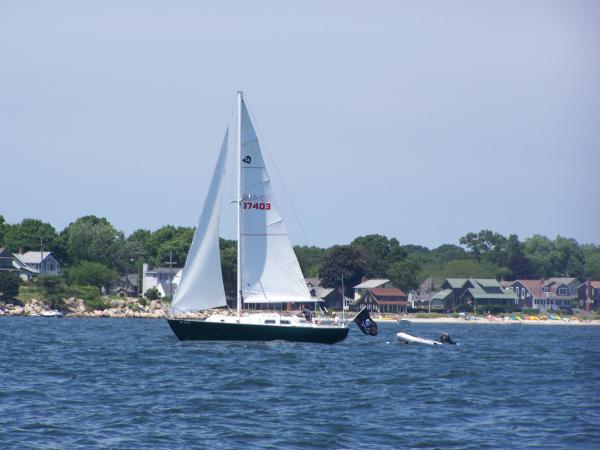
<point>171,262</point>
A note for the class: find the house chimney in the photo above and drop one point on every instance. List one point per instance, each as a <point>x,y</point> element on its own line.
<point>20,249</point>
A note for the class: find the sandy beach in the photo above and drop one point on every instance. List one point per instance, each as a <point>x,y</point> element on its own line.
<point>498,321</point>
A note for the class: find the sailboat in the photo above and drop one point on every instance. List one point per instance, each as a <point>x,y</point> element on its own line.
<point>267,267</point>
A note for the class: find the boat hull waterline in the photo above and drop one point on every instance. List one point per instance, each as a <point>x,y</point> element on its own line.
<point>200,330</point>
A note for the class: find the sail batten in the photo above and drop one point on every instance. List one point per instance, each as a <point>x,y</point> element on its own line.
<point>201,284</point>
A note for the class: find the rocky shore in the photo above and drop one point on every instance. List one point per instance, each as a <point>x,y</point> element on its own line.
<point>75,307</point>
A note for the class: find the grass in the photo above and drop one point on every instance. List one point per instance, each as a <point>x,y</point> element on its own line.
<point>28,293</point>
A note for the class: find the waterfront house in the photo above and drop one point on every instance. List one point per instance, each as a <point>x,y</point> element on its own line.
<point>589,292</point>
<point>161,278</point>
<point>460,294</point>
<point>329,298</point>
<point>387,300</point>
<point>6,260</point>
<point>361,289</point>
<point>550,294</point>
<point>128,286</point>
<point>34,263</point>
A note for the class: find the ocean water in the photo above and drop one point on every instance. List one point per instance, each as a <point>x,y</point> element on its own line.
<point>117,383</point>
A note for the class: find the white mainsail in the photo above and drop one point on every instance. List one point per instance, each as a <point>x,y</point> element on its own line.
<point>269,268</point>
<point>201,284</point>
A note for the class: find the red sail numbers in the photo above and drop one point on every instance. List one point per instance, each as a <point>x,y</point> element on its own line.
<point>258,202</point>
<point>258,205</point>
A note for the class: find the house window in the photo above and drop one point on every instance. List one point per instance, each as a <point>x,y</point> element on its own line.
<point>522,292</point>
<point>563,290</point>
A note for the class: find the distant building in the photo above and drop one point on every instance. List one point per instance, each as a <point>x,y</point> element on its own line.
<point>589,291</point>
<point>550,294</point>
<point>161,278</point>
<point>34,263</point>
<point>386,300</point>
<point>361,289</point>
<point>6,260</point>
<point>128,286</point>
<point>460,294</point>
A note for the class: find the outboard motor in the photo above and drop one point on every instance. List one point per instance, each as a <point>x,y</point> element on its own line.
<point>446,339</point>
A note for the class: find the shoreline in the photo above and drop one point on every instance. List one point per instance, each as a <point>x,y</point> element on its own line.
<point>484,321</point>
<point>159,314</point>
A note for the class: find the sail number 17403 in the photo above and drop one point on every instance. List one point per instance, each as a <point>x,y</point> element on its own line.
<point>258,205</point>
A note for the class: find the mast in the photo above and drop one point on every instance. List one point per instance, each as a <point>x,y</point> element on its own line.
<point>239,204</point>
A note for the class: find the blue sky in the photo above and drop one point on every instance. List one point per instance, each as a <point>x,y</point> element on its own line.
<point>419,120</point>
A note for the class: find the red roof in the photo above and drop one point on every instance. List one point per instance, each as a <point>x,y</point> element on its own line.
<point>533,286</point>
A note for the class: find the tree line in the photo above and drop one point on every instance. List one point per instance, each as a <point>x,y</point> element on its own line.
<point>93,252</point>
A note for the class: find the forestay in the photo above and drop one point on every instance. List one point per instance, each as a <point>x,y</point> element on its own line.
<point>270,271</point>
<point>201,284</point>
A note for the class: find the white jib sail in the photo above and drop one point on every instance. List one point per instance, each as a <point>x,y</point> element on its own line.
<point>270,270</point>
<point>201,284</point>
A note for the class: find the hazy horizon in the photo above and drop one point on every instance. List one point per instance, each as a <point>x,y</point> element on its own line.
<point>421,121</point>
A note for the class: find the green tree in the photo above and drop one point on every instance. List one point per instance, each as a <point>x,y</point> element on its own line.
<point>486,244</point>
<point>9,285</point>
<point>310,259</point>
<point>405,274</point>
<point>378,252</point>
<point>447,252</point>
<point>94,239</point>
<point>176,240</point>
<point>53,290</point>
<point>568,257</point>
<point>592,267</point>
<point>229,265</point>
<point>3,227</point>
<point>518,263</point>
<point>152,294</point>
<point>27,234</point>
<point>343,260</point>
<point>561,257</point>
<point>88,273</point>
<point>465,268</point>
<point>539,250</point>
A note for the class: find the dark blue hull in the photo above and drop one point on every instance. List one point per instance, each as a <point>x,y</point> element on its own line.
<point>198,330</point>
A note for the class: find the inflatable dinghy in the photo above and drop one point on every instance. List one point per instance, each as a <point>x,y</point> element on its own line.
<point>409,339</point>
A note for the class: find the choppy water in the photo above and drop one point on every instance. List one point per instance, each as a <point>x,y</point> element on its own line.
<point>81,383</point>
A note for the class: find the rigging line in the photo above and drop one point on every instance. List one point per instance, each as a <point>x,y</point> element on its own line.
<point>280,178</point>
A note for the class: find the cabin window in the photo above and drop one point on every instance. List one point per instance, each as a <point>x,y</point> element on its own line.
<point>285,322</point>
<point>270,321</point>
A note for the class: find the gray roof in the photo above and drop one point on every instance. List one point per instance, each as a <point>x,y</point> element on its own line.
<point>324,292</point>
<point>370,284</point>
<point>32,257</point>
<point>164,270</point>
<point>442,294</point>
<point>312,280</point>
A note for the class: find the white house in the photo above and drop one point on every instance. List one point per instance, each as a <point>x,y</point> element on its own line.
<point>35,263</point>
<point>162,278</point>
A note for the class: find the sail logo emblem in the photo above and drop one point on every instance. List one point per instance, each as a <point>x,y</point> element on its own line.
<point>247,159</point>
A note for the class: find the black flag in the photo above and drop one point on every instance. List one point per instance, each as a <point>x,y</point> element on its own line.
<point>365,323</point>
